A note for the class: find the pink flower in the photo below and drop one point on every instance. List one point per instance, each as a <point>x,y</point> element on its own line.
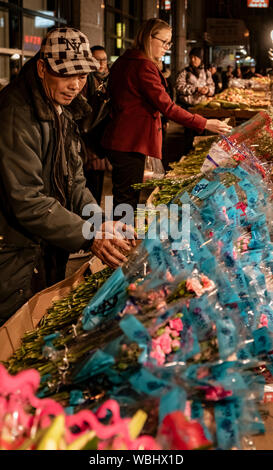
<point>219,247</point>
<point>132,287</point>
<point>263,321</point>
<point>202,372</point>
<point>207,283</point>
<point>176,344</point>
<point>176,324</point>
<point>216,393</point>
<point>162,294</point>
<point>158,355</point>
<point>194,286</point>
<point>165,342</point>
<point>151,296</point>
<point>155,342</point>
<point>224,210</point>
<point>174,333</point>
<point>161,305</point>
<point>169,276</point>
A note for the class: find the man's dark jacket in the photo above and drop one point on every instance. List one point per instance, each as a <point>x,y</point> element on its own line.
<point>36,231</point>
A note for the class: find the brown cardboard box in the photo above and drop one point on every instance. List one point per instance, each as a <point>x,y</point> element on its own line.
<point>29,315</point>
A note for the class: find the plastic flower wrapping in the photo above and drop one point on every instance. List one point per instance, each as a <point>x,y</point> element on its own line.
<point>31,423</point>
<point>184,330</point>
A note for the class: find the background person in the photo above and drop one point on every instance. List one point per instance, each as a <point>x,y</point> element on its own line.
<point>138,96</point>
<point>227,75</point>
<point>94,167</point>
<point>217,78</point>
<point>251,72</point>
<point>194,84</point>
<point>238,72</point>
<point>42,186</point>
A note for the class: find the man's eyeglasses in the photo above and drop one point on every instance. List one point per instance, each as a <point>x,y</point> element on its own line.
<point>165,44</point>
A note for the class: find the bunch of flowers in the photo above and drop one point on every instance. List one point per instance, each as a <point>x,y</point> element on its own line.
<point>199,287</point>
<point>57,326</point>
<point>166,339</point>
<point>30,423</point>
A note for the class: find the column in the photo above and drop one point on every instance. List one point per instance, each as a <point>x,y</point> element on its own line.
<point>88,16</point>
<point>179,36</point>
<point>150,9</point>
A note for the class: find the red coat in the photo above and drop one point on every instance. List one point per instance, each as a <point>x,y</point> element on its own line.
<point>138,95</point>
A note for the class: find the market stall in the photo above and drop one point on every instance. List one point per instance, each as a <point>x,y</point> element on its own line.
<point>178,342</point>
<point>242,100</point>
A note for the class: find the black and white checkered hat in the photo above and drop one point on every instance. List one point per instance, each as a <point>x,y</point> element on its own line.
<point>67,51</point>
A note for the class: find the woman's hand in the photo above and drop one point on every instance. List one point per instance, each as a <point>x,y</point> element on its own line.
<point>219,127</point>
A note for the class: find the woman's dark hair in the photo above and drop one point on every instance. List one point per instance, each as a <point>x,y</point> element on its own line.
<point>97,48</point>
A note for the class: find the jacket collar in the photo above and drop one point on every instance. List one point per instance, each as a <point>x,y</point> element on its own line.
<point>139,55</point>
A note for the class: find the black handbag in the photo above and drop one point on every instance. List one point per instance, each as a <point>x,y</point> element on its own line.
<point>100,117</point>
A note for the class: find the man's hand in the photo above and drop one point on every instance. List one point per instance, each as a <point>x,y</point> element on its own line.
<point>112,242</point>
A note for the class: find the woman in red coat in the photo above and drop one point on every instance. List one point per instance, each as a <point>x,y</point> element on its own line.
<point>138,96</point>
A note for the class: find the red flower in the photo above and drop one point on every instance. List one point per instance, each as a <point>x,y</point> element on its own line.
<point>176,324</point>
<point>239,157</point>
<point>177,433</point>
<point>216,393</point>
<point>242,206</point>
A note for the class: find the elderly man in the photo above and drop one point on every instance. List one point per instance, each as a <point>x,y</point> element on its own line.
<point>42,186</point>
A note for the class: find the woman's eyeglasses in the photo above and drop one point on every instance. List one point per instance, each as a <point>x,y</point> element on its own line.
<point>165,44</point>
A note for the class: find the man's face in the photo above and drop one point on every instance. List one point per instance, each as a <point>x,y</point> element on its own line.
<point>101,57</point>
<point>62,90</point>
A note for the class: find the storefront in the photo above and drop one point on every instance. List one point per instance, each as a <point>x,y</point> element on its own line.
<point>23,24</point>
<point>122,20</point>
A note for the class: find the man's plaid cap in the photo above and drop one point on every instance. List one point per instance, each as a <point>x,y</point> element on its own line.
<point>67,52</point>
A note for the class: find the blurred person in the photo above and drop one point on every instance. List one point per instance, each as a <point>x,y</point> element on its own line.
<point>238,72</point>
<point>166,72</point>
<point>227,75</point>
<point>138,96</point>
<point>217,78</point>
<point>251,72</point>
<point>194,84</point>
<point>94,166</point>
<point>42,185</point>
